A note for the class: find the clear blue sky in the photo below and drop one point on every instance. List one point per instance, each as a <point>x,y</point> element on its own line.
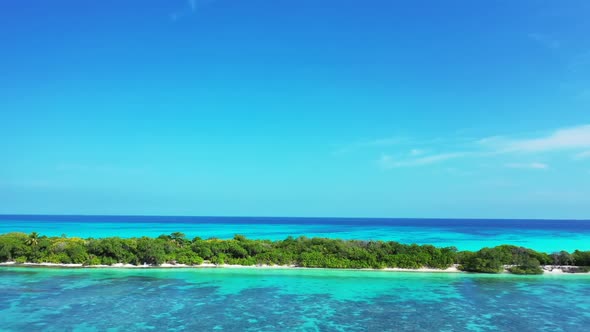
<point>296,108</point>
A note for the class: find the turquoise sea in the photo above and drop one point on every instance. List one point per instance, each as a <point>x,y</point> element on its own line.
<point>51,299</point>
<point>465,234</point>
<point>249,299</point>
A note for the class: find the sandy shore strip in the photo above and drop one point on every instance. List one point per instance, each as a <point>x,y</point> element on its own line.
<point>452,269</point>
<point>547,269</point>
<point>145,266</point>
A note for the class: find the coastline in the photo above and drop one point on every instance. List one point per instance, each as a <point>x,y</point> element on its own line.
<point>176,251</point>
<point>547,269</point>
<point>452,269</point>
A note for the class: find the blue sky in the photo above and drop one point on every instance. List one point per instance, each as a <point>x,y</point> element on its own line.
<point>296,108</point>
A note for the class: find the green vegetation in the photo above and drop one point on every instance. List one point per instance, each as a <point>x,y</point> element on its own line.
<point>302,251</point>
<point>493,260</point>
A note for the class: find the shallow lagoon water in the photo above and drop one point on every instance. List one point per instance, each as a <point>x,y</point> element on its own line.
<point>465,234</point>
<point>51,299</point>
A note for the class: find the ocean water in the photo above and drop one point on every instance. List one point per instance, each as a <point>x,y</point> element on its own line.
<point>465,234</point>
<point>52,299</point>
<point>205,299</point>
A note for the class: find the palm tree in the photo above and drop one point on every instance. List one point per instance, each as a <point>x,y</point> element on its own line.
<point>177,238</point>
<point>33,239</point>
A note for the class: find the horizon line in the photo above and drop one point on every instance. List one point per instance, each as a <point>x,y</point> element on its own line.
<point>2,215</point>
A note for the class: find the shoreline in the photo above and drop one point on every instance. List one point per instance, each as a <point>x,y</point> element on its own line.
<point>547,269</point>
<point>176,249</point>
<point>452,269</point>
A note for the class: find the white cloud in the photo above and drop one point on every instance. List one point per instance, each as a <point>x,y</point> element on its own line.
<point>534,165</point>
<point>407,152</point>
<point>388,162</point>
<point>561,139</point>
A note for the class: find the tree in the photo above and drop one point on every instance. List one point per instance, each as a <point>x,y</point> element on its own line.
<point>562,258</point>
<point>486,260</point>
<point>150,251</point>
<point>12,246</point>
<point>33,239</point>
<point>178,238</point>
<point>528,265</point>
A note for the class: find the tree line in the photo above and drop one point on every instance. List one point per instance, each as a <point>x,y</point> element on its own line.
<point>176,248</point>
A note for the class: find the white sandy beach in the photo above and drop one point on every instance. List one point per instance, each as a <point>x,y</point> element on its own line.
<point>547,269</point>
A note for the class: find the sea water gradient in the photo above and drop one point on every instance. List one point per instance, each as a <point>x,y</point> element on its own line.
<point>250,299</point>
<point>465,234</point>
<point>206,299</point>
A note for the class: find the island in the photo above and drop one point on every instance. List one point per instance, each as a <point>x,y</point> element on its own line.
<point>177,250</point>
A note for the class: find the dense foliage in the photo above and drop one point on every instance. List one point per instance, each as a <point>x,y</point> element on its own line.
<point>302,251</point>
<point>493,260</point>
